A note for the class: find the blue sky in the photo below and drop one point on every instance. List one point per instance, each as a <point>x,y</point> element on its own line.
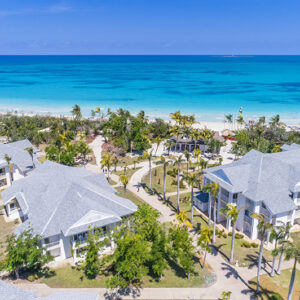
<point>150,27</point>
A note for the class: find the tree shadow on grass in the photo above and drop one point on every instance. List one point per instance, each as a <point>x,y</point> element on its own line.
<point>252,259</point>
<point>179,272</point>
<point>218,249</point>
<point>263,294</point>
<point>170,204</point>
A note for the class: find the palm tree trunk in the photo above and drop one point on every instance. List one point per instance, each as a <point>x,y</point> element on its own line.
<point>17,273</point>
<point>214,229</point>
<point>108,174</point>
<point>165,181</point>
<point>273,266</point>
<point>292,281</point>
<point>178,190</point>
<point>150,174</point>
<point>259,262</point>
<point>232,244</point>
<point>209,209</point>
<point>274,261</point>
<point>204,259</point>
<point>279,263</point>
<point>192,205</point>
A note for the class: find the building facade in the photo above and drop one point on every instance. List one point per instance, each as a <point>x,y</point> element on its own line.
<point>62,204</point>
<point>268,184</point>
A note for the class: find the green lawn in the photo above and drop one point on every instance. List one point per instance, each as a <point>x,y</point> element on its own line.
<point>68,277</point>
<point>129,172</point>
<point>278,284</point>
<point>6,228</point>
<point>244,256</point>
<point>296,238</point>
<point>129,195</point>
<point>157,180</point>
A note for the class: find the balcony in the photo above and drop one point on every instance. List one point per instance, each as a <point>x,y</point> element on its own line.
<point>49,245</point>
<point>248,220</point>
<point>264,211</point>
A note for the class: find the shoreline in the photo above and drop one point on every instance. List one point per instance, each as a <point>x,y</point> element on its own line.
<point>212,125</point>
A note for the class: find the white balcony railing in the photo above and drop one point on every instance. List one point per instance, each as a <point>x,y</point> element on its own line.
<point>264,211</point>
<point>48,245</point>
<point>248,220</point>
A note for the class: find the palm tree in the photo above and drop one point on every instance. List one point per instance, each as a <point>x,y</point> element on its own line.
<point>240,120</point>
<point>292,252</point>
<point>176,130</point>
<point>124,179</point>
<point>107,161</point>
<point>232,213</point>
<point>182,217</point>
<point>76,111</point>
<point>177,163</point>
<point>169,144</point>
<point>115,162</point>
<point>226,295</point>
<point>204,240</point>
<point>263,227</point>
<point>196,135</point>
<point>158,141</point>
<point>187,156</point>
<point>191,180</point>
<point>176,116</point>
<point>30,152</point>
<point>10,166</point>
<point>286,232</point>
<point>165,165</point>
<point>213,189</point>
<point>229,119</point>
<point>148,156</point>
<point>277,235</point>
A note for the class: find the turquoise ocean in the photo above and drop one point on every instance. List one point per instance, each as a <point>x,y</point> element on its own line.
<point>207,86</point>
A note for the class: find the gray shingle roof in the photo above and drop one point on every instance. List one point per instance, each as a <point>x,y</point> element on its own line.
<point>18,155</point>
<point>262,177</point>
<point>58,197</point>
<point>10,292</point>
<point>287,147</point>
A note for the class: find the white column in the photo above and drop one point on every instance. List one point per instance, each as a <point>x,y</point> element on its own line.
<point>219,205</point>
<point>228,222</point>
<point>254,233</point>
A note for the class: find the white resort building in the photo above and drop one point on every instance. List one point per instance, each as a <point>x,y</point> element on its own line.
<point>21,162</point>
<point>62,204</point>
<point>268,184</point>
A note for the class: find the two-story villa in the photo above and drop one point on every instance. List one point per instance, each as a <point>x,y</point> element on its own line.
<point>268,184</point>
<point>20,164</point>
<point>62,203</point>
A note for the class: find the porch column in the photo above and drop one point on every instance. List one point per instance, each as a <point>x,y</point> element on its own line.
<point>219,205</point>
<point>190,147</point>
<point>180,145</point>
<point>228,222</point>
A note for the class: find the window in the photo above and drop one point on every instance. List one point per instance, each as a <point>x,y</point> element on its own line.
<point>2,171</point>
<point>13,205</point>
<point>81,236</point>
<point>263,205</point>
<point>247,213</point>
